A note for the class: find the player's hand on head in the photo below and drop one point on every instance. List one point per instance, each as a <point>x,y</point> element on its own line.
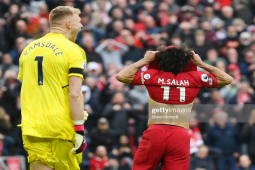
<point>150,56</point>
<point>196,59</point>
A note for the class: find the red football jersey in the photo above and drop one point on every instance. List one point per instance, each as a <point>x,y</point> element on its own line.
<point>164,87</point>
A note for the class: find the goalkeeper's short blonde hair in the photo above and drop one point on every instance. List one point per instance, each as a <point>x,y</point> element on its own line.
<point>58,14</point>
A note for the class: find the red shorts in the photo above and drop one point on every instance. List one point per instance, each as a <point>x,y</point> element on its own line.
<point>167,144</point>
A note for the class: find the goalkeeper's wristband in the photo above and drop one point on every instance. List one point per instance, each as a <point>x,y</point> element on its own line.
<point>79,127</point>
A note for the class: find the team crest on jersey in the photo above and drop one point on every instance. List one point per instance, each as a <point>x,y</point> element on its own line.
<point>83,65</point>
<point>204,77</point>
<point>147,76</point>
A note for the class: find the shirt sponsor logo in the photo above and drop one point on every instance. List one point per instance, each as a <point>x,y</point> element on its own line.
<point>204,78</point>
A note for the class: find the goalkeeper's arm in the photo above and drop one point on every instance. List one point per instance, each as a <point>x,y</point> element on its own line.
<point>77,109</point>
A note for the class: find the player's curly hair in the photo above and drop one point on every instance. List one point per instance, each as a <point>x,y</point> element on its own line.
<point>173,59</point>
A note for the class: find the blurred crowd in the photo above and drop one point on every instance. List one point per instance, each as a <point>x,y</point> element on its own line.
<point>117,33</point>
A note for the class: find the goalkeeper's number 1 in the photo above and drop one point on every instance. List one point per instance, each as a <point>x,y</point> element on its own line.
<point>39,60</point>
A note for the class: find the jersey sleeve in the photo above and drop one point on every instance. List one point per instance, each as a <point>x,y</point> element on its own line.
<point>20,75</point>
<point>202,79</point>
<point>77,62</point>
<point>144,77</point>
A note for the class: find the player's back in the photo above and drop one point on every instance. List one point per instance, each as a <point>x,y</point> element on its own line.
<point>45,66</point>
<point>171,96</point>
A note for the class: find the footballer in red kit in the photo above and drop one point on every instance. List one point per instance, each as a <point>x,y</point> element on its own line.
<point>173,82</point>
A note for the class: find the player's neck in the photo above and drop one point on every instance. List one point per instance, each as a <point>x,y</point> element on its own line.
<point>60,31</point>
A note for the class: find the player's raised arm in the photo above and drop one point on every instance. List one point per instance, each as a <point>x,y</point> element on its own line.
<point>128,73</point>
<point>222,77</point>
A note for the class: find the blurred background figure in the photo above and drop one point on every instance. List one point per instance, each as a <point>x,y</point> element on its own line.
<point>245,163</point>
<point>202,160</point>
<point>100,159</point>
<point>225,137</point>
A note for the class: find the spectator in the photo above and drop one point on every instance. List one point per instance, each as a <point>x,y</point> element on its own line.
<point>229,91</point>
<point>248,66</point>
<point>187,12</point>
<point>21,27</point>
<point>124,151</point>
<point>5,123</point>
<point>202,160</point>
<point>232,56</point>
<point>130,24</point>
<point>208,14</point>
<point>7,64</point>
<point>196,5</point>
<point>134,54</point>
<point>7,143</point>
<point>163,16</point>
<point>220,64</point>
<point>100,17</point>
<point>218,27</point>
<point>245,41</point>
<point>148,7</point>
<point>124,6</point>
<point>186,32</point>
<point>245,163</point>
<point>173,7</point>
<point>149,22</point>
<point>231,40</point>
<point>227,13</point>
<point>102,135</point>
<point>209,32</point>
<point>244,95</point>
<point>43,29</point>
<point>88,46</point>
<point>172,26</point>
<point>239,25</point>
<point>216,99</point>
<point>248,134</point>
<point>3,38</point>
<point>118,111</point>
<point>243,10</point>
<point>44,11</point>
<point>200,45</point>
<point>225,137</point>
<point>19,46</point>
<point>176,40</point>
<point>195,136</point>
<point>117,14</point>
<point>109,54</point>
<point>100,159</point>
<point>115,165</point>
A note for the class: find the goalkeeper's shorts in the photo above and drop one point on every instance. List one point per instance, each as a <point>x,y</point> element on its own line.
<point>167,144</point>
<point>55,153</point>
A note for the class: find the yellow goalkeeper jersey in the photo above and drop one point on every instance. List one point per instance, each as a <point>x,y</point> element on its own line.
<point>45,67</point>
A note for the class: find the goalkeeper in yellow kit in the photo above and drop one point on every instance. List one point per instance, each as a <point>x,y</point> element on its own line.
<point>51,99</point>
